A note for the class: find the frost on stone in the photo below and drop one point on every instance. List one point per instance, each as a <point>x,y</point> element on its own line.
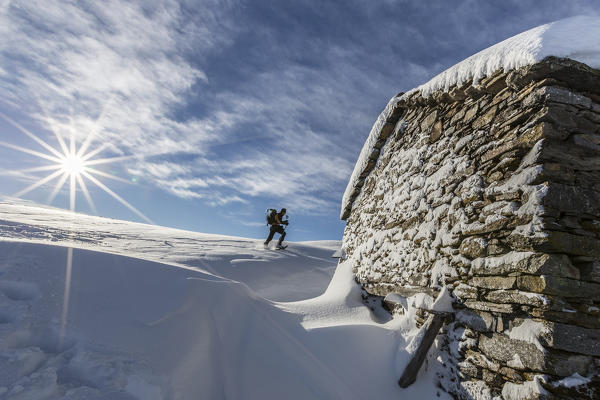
<point>572,381</point>
<point>524,391</point>
<point>529,331</point>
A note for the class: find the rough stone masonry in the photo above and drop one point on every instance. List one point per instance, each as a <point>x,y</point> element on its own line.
<point>493,190</point>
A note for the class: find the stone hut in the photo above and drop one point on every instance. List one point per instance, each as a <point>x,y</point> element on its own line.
<point>489,185</point>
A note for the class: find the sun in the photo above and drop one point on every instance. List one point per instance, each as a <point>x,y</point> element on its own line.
<point>73,163</point>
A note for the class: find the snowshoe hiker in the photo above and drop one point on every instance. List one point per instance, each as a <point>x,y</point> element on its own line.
<point>275,220</point>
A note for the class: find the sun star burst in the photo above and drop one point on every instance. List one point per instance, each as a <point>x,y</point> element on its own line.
<point>68,162</point>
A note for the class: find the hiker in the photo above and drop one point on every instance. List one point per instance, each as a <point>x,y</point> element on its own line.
<point>275,219</point>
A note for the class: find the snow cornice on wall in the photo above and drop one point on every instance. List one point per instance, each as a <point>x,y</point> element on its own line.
<point>567,50</point>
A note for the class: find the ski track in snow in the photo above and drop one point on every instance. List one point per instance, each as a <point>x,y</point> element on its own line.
<point>158,313</point>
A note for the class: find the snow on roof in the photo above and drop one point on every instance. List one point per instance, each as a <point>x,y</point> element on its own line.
<point>577,38</point>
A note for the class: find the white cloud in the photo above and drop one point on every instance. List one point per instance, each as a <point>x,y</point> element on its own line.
<point>124,69</point>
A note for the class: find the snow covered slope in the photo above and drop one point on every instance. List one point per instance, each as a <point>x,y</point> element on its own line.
<point>159,313</point>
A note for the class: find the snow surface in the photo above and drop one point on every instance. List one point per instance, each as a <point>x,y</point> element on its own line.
<point>530,331</point>
<point>157,313</point>
<point>524,391</point>
<point>577,38</point>
<point>443,302</point>
<point>572,381</point>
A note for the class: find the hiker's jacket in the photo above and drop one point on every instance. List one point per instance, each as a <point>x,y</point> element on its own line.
<point>277,220</point>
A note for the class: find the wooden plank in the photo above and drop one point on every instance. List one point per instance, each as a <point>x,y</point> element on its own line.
<point>434,324</point>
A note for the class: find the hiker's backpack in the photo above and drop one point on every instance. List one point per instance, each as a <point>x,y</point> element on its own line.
<point>271,216</point>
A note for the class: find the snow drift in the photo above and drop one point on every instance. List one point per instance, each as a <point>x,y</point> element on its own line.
<point>136,328</point>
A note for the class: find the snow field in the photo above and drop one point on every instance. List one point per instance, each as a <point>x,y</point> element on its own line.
<point>218,318</point>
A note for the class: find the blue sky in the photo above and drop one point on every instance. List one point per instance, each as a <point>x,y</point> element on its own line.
<point>226,107</point>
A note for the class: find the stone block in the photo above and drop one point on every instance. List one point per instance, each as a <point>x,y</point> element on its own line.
<point>490,307</point>
<point>493,282</point>
<point>525,263</point>
<point>471,113</point>
<point>517,297</point>
<point>563,242</point>
<point>575,339</point>
<point>559,286</point>
<point>457,94</point>
<point>464,292</point>
<point>497,151</point>
<point>572,198</point>
<point>590,271</point>
<point>573,74</point>
<point>546,130</point>
<point>479,321</point>
<point>469,369</point>
<point>573,318</point>
<point>490,225</point>
<point>481,361</point>
<point>485,119</point>
<point>494,84</point>
<point>492,379</point>
<point>436,132</point>
<point>501,348</point>
<point>570,155</point>
<point>504,349</point>
<point>560,116</point>
<point>428,121</point>
<point>472,247</point>
<point>511,375</point>
<point>588,140</point>
<point>591,116</point>
<point>562,95</point>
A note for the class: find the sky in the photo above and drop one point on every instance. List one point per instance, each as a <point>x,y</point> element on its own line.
<point>212,111</point>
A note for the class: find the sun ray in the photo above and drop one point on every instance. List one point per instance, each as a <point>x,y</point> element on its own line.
<point>66,295</point>
<point>92,135</point>
<point>39,169</point>
<point>92,153</point>
<point>116,196</point>
<point>57,188</point>
<point>86,194</point>
<point>109,160</point>
<point>39,183</point>
<point>73,164</point>
<point>106,175</point>
<point>72,191</point>
<point>59,137</point>
<point>72,144</point>
<point>31,135</point>
<point>32,152</point>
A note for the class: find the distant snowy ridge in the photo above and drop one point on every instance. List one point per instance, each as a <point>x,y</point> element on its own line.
<point>577,38</point>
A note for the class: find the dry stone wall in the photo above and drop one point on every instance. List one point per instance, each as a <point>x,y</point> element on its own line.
<point>493,190</point>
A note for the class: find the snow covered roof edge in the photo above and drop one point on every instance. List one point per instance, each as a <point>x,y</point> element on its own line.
<point>381,130</point>
<point>577,38</point>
